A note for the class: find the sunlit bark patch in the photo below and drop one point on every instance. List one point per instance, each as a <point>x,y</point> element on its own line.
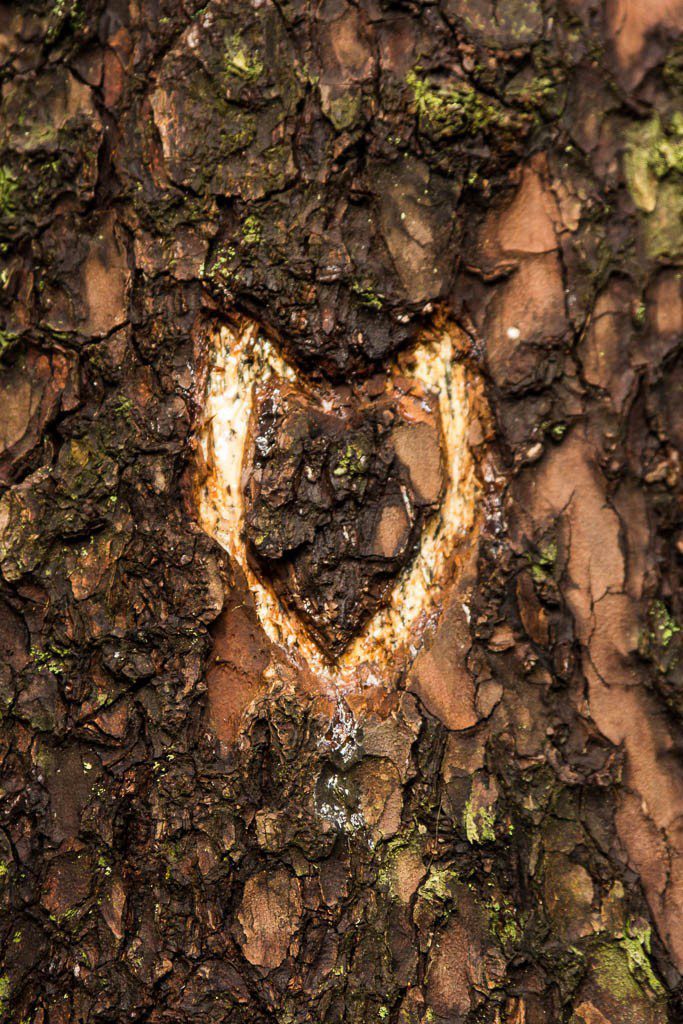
<point>402,440</point>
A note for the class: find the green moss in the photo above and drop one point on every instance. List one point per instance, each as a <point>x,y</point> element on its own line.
<point>251,230</point>
<point>532,91</point>
<point>367,296</point>
<point>663,626</point>
<point>541,88</point>
<point>239,63</point>
<point>456,109</point>
<point>123,406</point>
<point>652,154</point>
<point>220,269</point>
<point>658,642</point>
<point>7,342</point>
<point>439,886</point>
<point>104,865</point>
<point>664,227</point>
<point>61,11</point>
<point>343,111</point>
<point>612,974</point>
<point>4,992</point>
<point>639,314</point>
<point>352,461</point>
<point>52,658</point>
<point>673,67</point>
<point>8,188</point>
<point>479,823</point>
<point>622,970</point>
<point>637,944</point>
<point>667,153</point>
<point>543,565</point>
<point>503,922</point>
<point>649,156</point>
<point>548,554</point>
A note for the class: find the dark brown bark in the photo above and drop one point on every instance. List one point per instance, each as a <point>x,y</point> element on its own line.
<point>336,501</point>
<point>196,824</point>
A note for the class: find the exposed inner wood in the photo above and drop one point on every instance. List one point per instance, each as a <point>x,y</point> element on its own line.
<point>346,508</point>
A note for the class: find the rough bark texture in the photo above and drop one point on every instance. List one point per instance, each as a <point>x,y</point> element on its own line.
<point>335,503</point>
<point>497,838</point>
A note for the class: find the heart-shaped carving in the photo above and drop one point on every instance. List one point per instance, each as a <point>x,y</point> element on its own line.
<point>336,492</point>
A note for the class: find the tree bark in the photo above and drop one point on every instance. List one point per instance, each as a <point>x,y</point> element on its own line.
<point>199,822</point>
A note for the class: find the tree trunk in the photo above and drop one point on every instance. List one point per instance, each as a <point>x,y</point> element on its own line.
<point>339,524</point>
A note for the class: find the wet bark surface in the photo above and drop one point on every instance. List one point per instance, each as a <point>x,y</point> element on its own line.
<point>190,828</point>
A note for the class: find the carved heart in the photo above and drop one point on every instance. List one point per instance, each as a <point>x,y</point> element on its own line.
<point>336,495</point>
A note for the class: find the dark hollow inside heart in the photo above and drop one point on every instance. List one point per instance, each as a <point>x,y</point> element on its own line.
<point>336,497</point>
